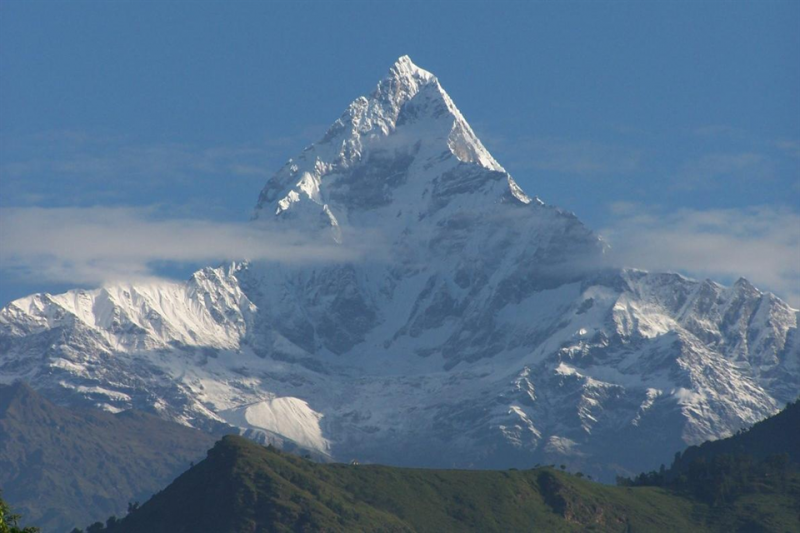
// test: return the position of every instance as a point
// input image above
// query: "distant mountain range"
(61, 468)
(464, 324)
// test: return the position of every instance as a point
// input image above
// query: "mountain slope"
(62, 467)
(475, 326)
(245, 487)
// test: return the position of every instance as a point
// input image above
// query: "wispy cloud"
(715, 169)
(760, 243)
(578, 157)
(720, 131)
(76, 168)
(99, 157)
(102, 244)
(789, 147)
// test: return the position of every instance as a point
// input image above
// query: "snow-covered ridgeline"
(492, 333)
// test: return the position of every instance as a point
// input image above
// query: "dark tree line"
(761, 458)
(100, 527)
(720, 479)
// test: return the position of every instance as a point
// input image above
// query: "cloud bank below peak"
(760, 243)
(96, 245)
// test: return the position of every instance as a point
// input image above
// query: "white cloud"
(101, 244)
(716, 169)
(760, 243)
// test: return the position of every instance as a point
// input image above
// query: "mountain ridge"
(491, 333)
(62, 468)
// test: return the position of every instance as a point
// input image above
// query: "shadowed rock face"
(476, 326)
(370, 184)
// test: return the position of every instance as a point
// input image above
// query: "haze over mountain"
(62, 468)
(478, 327)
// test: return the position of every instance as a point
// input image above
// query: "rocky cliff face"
(476, 326)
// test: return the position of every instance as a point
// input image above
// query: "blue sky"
(672, 128)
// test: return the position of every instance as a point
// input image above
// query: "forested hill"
(746, 472)
(242, 486)
(776, 435)
(770, 446)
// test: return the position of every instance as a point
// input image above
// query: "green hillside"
(244, 487)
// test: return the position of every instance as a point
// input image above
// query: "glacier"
(483, 328)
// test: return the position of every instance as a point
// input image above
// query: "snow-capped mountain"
(481, 328)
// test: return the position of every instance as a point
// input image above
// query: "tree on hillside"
(9, 522)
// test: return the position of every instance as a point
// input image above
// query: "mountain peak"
(405, 60)
(403, 82)
(403, 135)
(404, 67)
(408, 74)
(412, 94)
